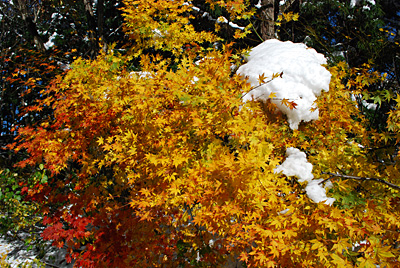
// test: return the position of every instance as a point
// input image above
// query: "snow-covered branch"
(219, 20)
(362, 179)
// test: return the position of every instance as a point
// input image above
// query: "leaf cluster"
(20, 218)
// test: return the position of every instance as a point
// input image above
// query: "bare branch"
(362, 179)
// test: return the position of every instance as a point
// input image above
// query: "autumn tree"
(38, 41)
(363, 34)
(165, 156)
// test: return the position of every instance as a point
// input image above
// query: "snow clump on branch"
(301, 81)
(296, 164)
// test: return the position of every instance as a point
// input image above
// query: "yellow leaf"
(272, 95)
(366, 263)
(340, 262)
(145, 192)
(384, 253)
(100, 141)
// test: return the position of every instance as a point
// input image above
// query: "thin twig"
(51, 265)
(261, 84)
(362, 179)
(328, 179)
(252, 26)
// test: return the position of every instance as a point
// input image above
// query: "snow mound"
(296, 164)
(302, 81)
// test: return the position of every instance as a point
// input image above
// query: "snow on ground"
(13, 257)
(17, 254)
(302, 80)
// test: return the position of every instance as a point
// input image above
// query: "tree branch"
(362, 179)
(263, 83)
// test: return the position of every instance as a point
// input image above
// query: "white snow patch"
(283, 212)
(64, 66)
(56, 16)
(50, 43)
(222, 19)
(358, 97)
(302, 81)
(157, 34)
(17, 255)
(296, 164)
(357, 245)
(14, 261)
(369, 106)
(196, 9)
(353, 3)
(140, 74)
(317, 193)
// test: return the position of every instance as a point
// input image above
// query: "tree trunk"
(268, 15)
(92, 28)
(30, 24)
(100, 24)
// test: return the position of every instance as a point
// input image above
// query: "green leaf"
(44, 179)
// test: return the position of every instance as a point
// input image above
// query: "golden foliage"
(169, 167)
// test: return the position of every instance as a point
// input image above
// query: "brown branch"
(51, 265)
(362, 179)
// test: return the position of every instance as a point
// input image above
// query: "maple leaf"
(291, 104)
(366, 263)
(243, 257)
(272, 95)
(145, 192)
(261, 79)
(100, 141)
